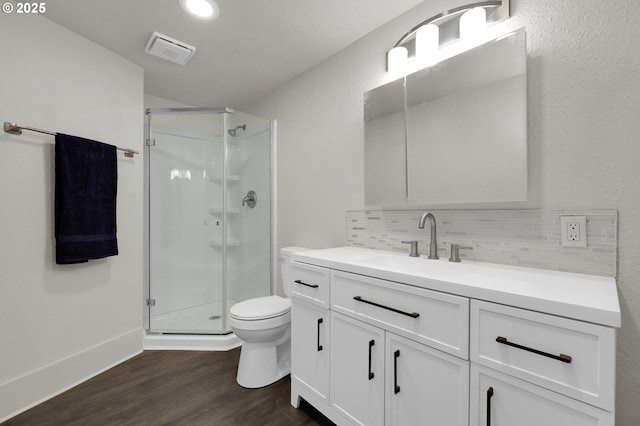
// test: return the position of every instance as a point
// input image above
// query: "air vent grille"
(169, 48)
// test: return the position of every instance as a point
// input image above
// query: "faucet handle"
(414, 248)
(455, 252)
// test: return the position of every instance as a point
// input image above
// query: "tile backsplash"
(512, 237)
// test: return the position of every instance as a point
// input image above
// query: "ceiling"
(252, 48)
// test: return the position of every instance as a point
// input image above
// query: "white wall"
(151, 101)
(584, 136)
(60, 324)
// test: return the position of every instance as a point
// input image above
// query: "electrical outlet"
(574, 231)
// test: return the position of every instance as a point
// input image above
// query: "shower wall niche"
(207, 249)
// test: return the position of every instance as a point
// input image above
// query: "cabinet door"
(310, 337)
(357, 370)
(501, 400)
(425, 386)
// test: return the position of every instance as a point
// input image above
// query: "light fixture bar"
(449, 23)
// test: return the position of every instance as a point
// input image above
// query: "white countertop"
(578, 296)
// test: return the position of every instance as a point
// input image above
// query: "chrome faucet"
(433, 247)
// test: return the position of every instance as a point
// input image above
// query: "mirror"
(385, 153)
(451, 133)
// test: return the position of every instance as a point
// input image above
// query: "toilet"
(263, 325)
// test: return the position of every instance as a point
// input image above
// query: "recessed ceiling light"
(202, 9)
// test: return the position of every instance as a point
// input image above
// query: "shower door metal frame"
(147, 301)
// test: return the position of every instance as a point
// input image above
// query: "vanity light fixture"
(397, 60)
(201, 9)
(472, 22)
(461, 27)
(427, 40)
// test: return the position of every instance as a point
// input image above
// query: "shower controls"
(250, 199)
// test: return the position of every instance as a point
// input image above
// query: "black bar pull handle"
(561, 357)
(308, 285)
(398, 311)
(318, 344)
(489, 396)
(371, 344)
(396, 388)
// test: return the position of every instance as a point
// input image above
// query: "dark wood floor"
(172, 388)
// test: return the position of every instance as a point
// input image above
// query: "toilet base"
(263, 363)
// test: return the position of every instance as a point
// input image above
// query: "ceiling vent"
(169, 48)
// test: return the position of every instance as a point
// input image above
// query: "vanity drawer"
(435, 319)
(571, 357)
(310, 283)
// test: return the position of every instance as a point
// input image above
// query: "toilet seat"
(260, 308)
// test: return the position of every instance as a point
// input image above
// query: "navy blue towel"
(85, 206)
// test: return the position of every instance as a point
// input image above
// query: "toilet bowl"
(263, 325)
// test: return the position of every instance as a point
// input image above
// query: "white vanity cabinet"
(357, 370)
(397, 355)
(433, 343)
(310, 284)
(419, 384)
(570, 357)
(498, 399)
(378, 378)
(558, 370)
(424, 386)
(433, 318)
(310, 335)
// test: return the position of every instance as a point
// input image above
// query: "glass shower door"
(187, 292)
(248, 165)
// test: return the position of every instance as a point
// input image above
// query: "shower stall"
(208, 181)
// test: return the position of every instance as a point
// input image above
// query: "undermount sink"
(412, 265)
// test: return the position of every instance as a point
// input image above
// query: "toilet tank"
(285, 264)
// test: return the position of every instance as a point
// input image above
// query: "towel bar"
(15, 129)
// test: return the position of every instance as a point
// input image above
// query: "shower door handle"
(250, 199)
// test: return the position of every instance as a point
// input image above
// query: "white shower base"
(206, 318)
(190, 342)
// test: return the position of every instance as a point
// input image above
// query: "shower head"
(232, 132)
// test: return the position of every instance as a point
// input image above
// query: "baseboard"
(190, 342)
(20, 394)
